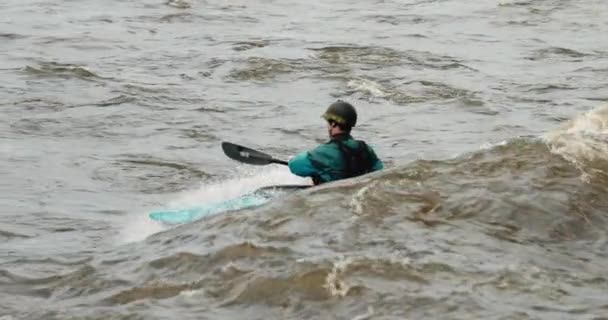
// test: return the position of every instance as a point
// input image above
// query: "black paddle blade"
(247, 155)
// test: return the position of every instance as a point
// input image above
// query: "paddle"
(247, 155)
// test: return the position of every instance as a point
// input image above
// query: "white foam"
(583, 139)
(137, 227)
(370, 87)
(180, 4)
(333, 283)
(246, 179)
(490, 145)
(367, 315)
(357, 200)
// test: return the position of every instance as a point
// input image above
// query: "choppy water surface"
(490, 115)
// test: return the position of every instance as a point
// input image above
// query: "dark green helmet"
(341, 112)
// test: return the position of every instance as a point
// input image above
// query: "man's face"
(332, 128)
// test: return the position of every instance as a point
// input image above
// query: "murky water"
(490, 115)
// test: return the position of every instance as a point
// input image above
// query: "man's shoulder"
(324, 148)
(358, 143)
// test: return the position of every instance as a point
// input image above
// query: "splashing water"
(246, 180)
(333, 283)
(584, 142)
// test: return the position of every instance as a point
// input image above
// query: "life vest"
(357, 161)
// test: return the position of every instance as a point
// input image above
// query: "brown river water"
(491, 118)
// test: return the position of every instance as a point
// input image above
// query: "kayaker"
(342, 156)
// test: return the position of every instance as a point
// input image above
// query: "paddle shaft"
(280, 161)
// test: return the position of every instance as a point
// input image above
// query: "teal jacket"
(327, 163)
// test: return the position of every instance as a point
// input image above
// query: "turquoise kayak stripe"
(178, 216)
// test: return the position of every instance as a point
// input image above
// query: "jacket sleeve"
(300, 165)
(376, 162)
(378, 165)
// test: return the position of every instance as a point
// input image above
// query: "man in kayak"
(342, 156)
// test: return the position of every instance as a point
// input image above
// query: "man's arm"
(300, 165)
(376, 162)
